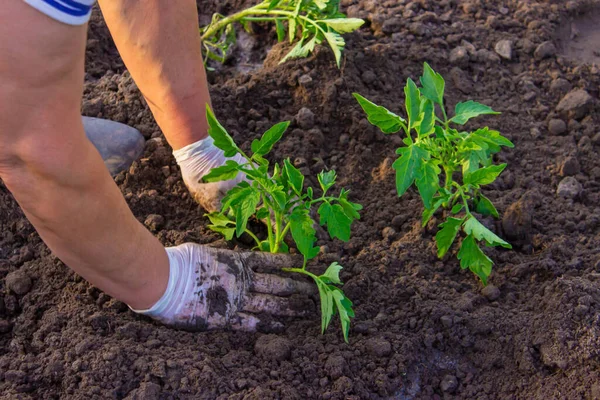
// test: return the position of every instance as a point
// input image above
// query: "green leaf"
(485, 175)
(273, 4)
(300, 50)
(337, 43)
(480, 232)
(225, 231)
(338, 223)
(280, 28)
(262, 213)
(343, 25)
(220, 136)
(321, 3)
(344, 308)
(433, 85)
(428, 182)
(413, 104)
(427, 117)
(303, 232)
(326, 179)
(244, 208)
(470, 164)
(485, 207)
(411, 158)
(332, 274)
(293, 176)
(380, 116)
(292, 23)
(447, 234)
(326, 296)
(223, 173)
(457, 207)
(350, 209)
(218, 219)
(472, 257)
(280, 198)
(428, 212)
(269, 138)
(470, 109)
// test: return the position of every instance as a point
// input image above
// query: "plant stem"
(277, 232)
(302, 271)
(253, 236)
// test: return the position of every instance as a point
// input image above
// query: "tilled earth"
(424, 329)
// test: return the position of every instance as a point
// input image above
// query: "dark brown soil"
(424, 329)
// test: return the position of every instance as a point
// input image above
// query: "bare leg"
(54, 173)
(160, 43)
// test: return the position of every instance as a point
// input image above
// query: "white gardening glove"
(196, 160)
(213, 288)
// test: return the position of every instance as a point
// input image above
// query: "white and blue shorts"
(72, 12)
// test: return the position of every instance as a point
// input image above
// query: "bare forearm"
(160, 44)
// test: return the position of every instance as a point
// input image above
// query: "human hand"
(212, 288)
(196, 160)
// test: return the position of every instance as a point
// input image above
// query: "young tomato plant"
(433, 145)
(277, 195)
(309, 22)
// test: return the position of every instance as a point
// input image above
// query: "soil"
(424, 329)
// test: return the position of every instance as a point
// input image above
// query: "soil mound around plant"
(424, 329)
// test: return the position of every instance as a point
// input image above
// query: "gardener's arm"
(60, 182)
(160, 43)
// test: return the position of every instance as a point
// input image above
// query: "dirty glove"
(196, 160)
(212, 288)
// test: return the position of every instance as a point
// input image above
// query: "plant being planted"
(312, 21)
(277, 194)
(433, 145)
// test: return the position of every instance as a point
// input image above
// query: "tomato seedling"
(309, 22)
(433, 145)
(278, 195)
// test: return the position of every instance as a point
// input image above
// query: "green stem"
(302, 271)
(253, 236)
(448, 172)
(277, 232)
(285, 230)
(269, 229)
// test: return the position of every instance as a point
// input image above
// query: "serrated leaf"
(269, 138)
(485, 175)
(300, 50)
(343, 25)
(427, 117)
(485, 207)
(280, 198)
(337, 43)
(280, 28)
(447, 234)
(223, 173)
(380, 116)
(344, 308)
(470, 164)
(480, 232)
(412, 98)
(350, 209)
(262, 213)
(244, 206)
(433, 85)
(472, 257)
(338, 223)
(221, 138)
(326, 179)
(332, 274)
(293, 176)
(303, 233)
(428, 181)
(411, 158)
(470, 109)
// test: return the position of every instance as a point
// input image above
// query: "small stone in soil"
(305, 118)
(569, 188)
(491, 292)
(570, 167)
(446, 320)
(576, 104)
(557, 126)
(272, 347)
(378, 346)
(504, 48)
(545, 50)
(19, 282)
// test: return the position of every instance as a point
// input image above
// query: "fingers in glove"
(245, 322)
(279, 306)
(277, 285)
(268, 261)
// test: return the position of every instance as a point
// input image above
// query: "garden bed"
(424, 328)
